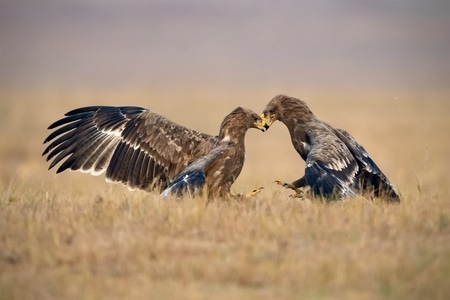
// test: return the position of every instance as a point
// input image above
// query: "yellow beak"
(261, 124)
(267, 121)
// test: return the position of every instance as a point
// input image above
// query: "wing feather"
(330, 167)
(78, 149)
(370, 174)
(133, 145)
(193, 176)
(327, 182)
(67, 129)
(96, 162)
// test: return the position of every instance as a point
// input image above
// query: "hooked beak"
(261, 123)
(267, 121)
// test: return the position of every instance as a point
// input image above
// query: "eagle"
(336, 165)
(147, 151)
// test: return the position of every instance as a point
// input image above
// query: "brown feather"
(335, 163)
(145, 150)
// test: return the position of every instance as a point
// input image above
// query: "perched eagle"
(336, 165)
(145, 150)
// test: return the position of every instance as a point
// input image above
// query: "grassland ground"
(73, 236)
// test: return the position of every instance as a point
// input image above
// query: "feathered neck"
(234, 127)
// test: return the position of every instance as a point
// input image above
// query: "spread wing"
(133, 145)
(330, 167)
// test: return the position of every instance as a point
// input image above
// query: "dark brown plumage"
(145, 150)
(336, 165)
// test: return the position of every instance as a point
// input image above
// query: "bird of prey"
(145, 150)
(336, 166)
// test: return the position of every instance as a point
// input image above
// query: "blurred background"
(382, 44)
(379, 69)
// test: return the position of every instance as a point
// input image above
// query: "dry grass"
(72, 236)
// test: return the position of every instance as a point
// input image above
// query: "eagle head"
(236, 123)
(283, 108)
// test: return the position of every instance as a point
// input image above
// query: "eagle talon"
(284, 184)
(287, 185)
(300, 194)
(254, 192)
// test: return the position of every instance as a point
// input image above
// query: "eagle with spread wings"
(147, 151)
(336, 164)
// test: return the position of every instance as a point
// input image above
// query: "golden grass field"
(73, 236)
